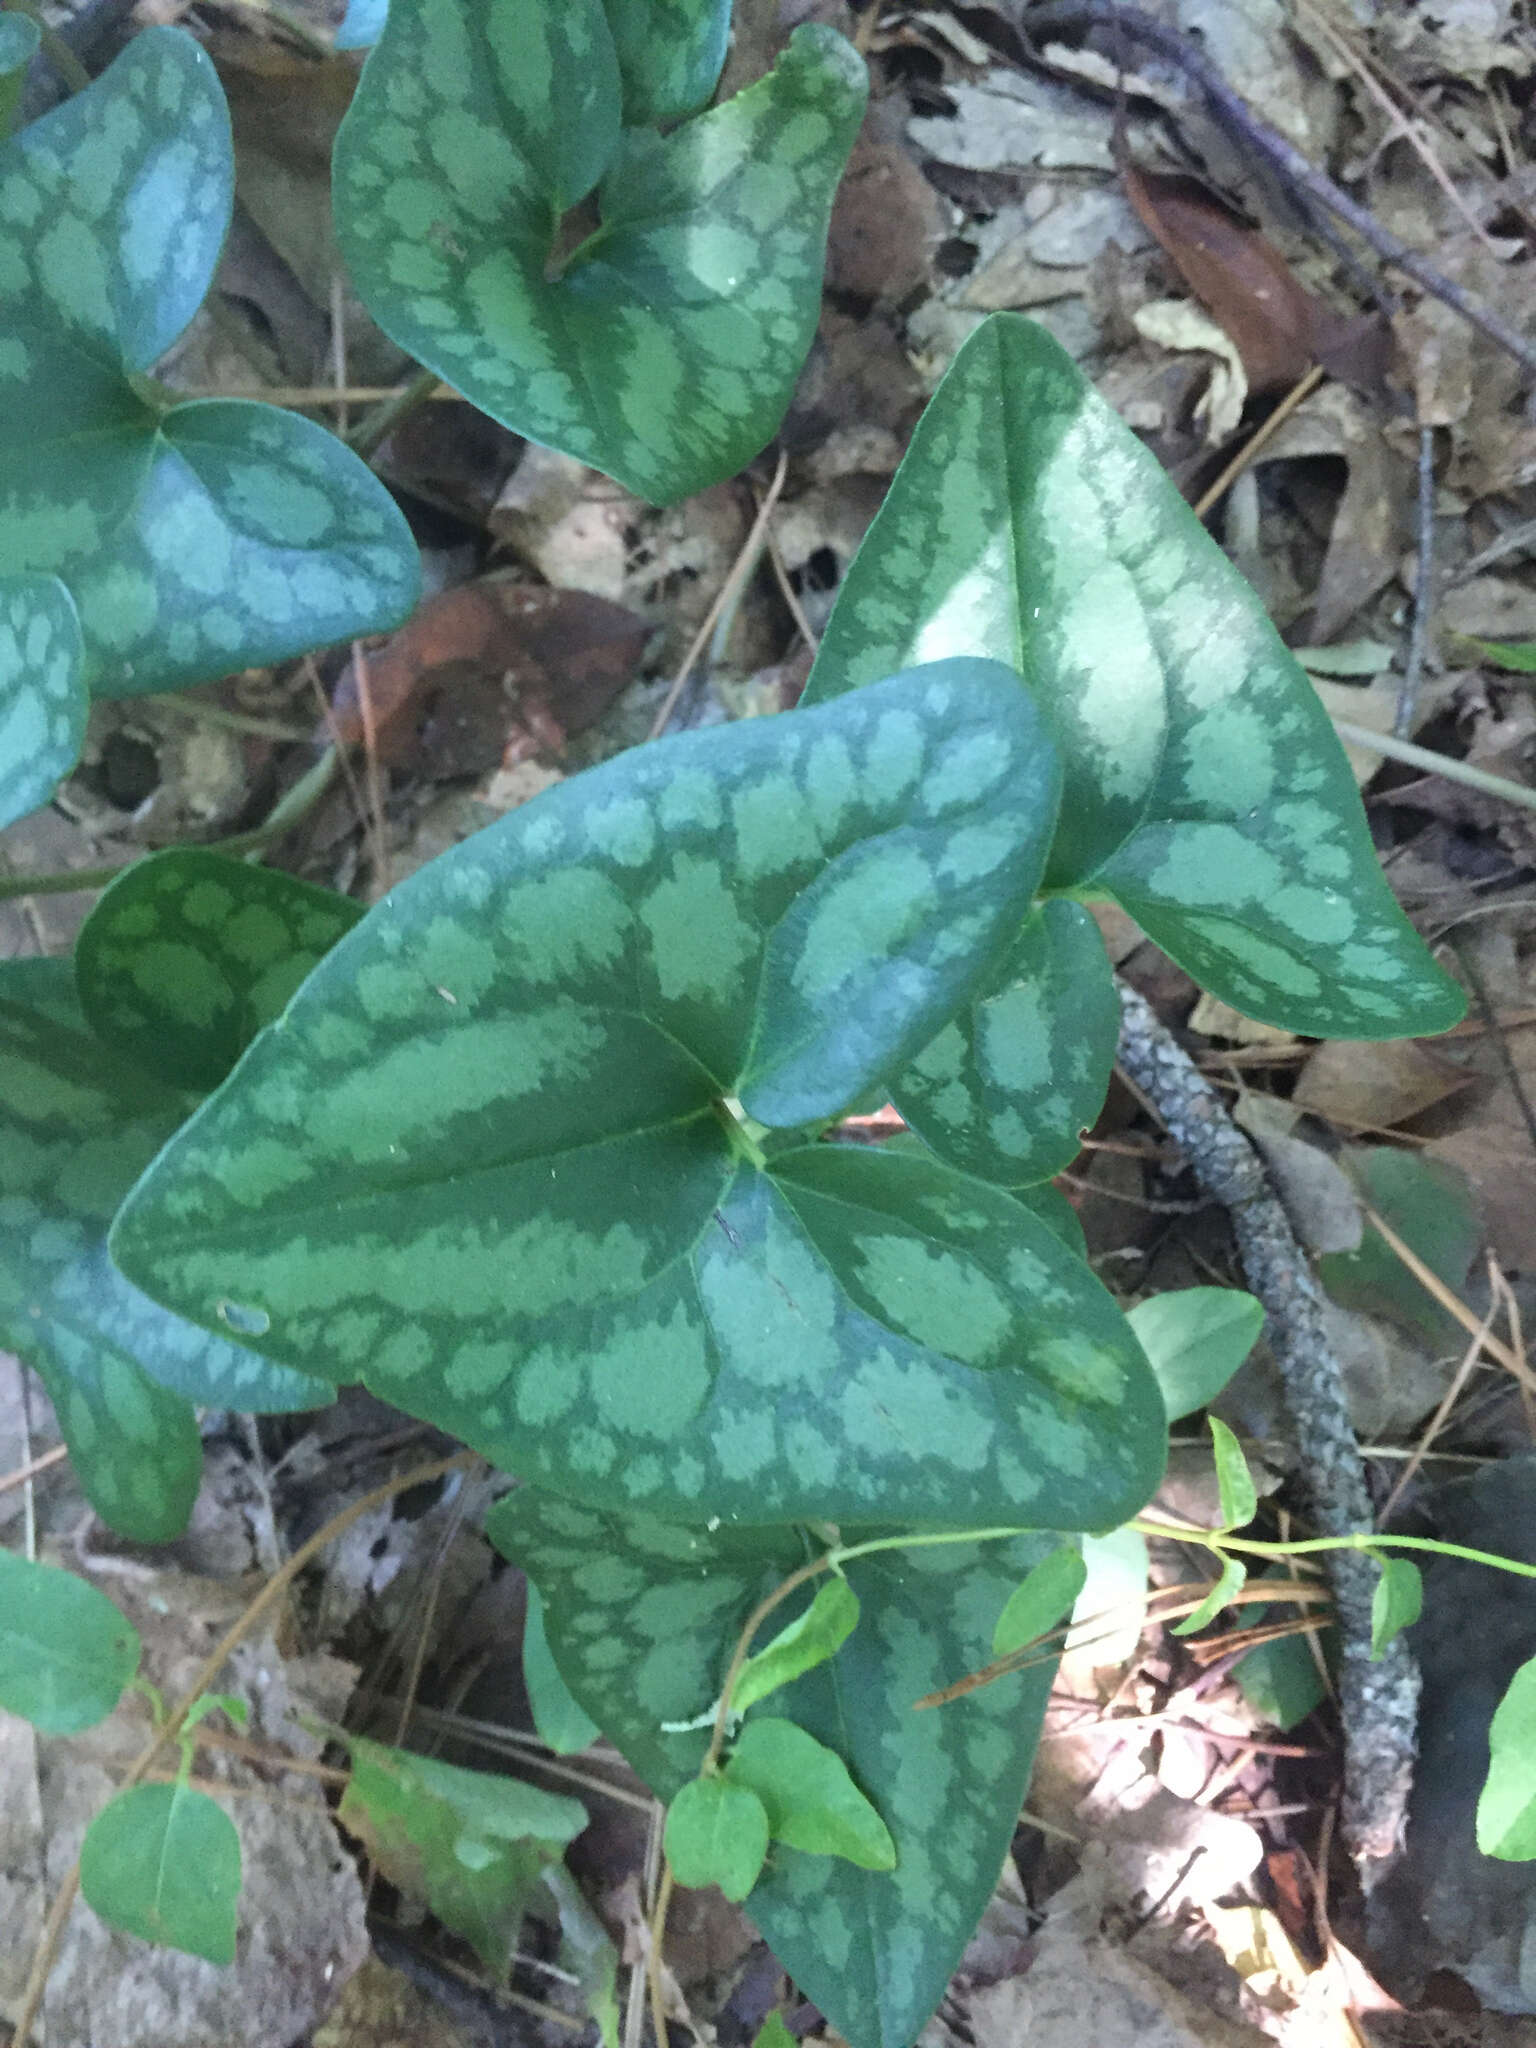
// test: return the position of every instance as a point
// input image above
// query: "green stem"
(287, 812)
(1361, 1539)
(375, 427)
(1414, 756)
(72, 73)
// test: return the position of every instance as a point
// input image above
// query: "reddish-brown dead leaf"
(490, 671)
(1278, 327)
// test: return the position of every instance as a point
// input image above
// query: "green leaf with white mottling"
(195, 538)
(808, 1796)
(664, 349)
(77, 1124)
(717, 1833)
(1007, 1089)
(643, 1616)
(65, 1651)
(189, 953)
(487, 1161)
(472, 1845)
(163, 1862)
(43, 703)
(562, 1722)
(671, 54)
(1195, 1338)
(1205, 789)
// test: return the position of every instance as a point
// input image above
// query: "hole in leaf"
(245, 1322)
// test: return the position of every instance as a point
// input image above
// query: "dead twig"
(1423, 587)
(1379, 1701)
(1306, 182)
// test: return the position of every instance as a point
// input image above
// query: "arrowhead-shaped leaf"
(188, 954)
(43, 703)
(196, 538)
(643, 1616)
(671, 54)
(665, 347)
(163, 1862)
(488, 1161)
(1204, 788)
(65, 1651)
(77, 1124)
(472, 1845)
(1010, 1084)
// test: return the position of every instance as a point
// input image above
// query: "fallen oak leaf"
(1278, 327)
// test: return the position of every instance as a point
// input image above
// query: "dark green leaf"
(1007, 1089)
(188, 954)
(717, 1833)
(472, 1845)
(43, 703)
(643, 1616)
(196, 538)
(77, 1124)
(1195, 1338)
(1234, 1482)
(1205, 790)
(1396, 1603)
(665, 348)
(1506, 1811)
(1034, 1607)
(810, 1800)
(1428, 1204)
(487, 1163)
(807, 1641)
(671, 53)
(1280, 1679)
(1234, 1576)
(563, 1723)
(163, 1862)
(65, 1651)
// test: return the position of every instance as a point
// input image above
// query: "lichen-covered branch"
(1378, 1701)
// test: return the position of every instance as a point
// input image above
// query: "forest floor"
(1367, 456)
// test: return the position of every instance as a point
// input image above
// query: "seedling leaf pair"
(778, 1785)
(194, 538)
(664, 346)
